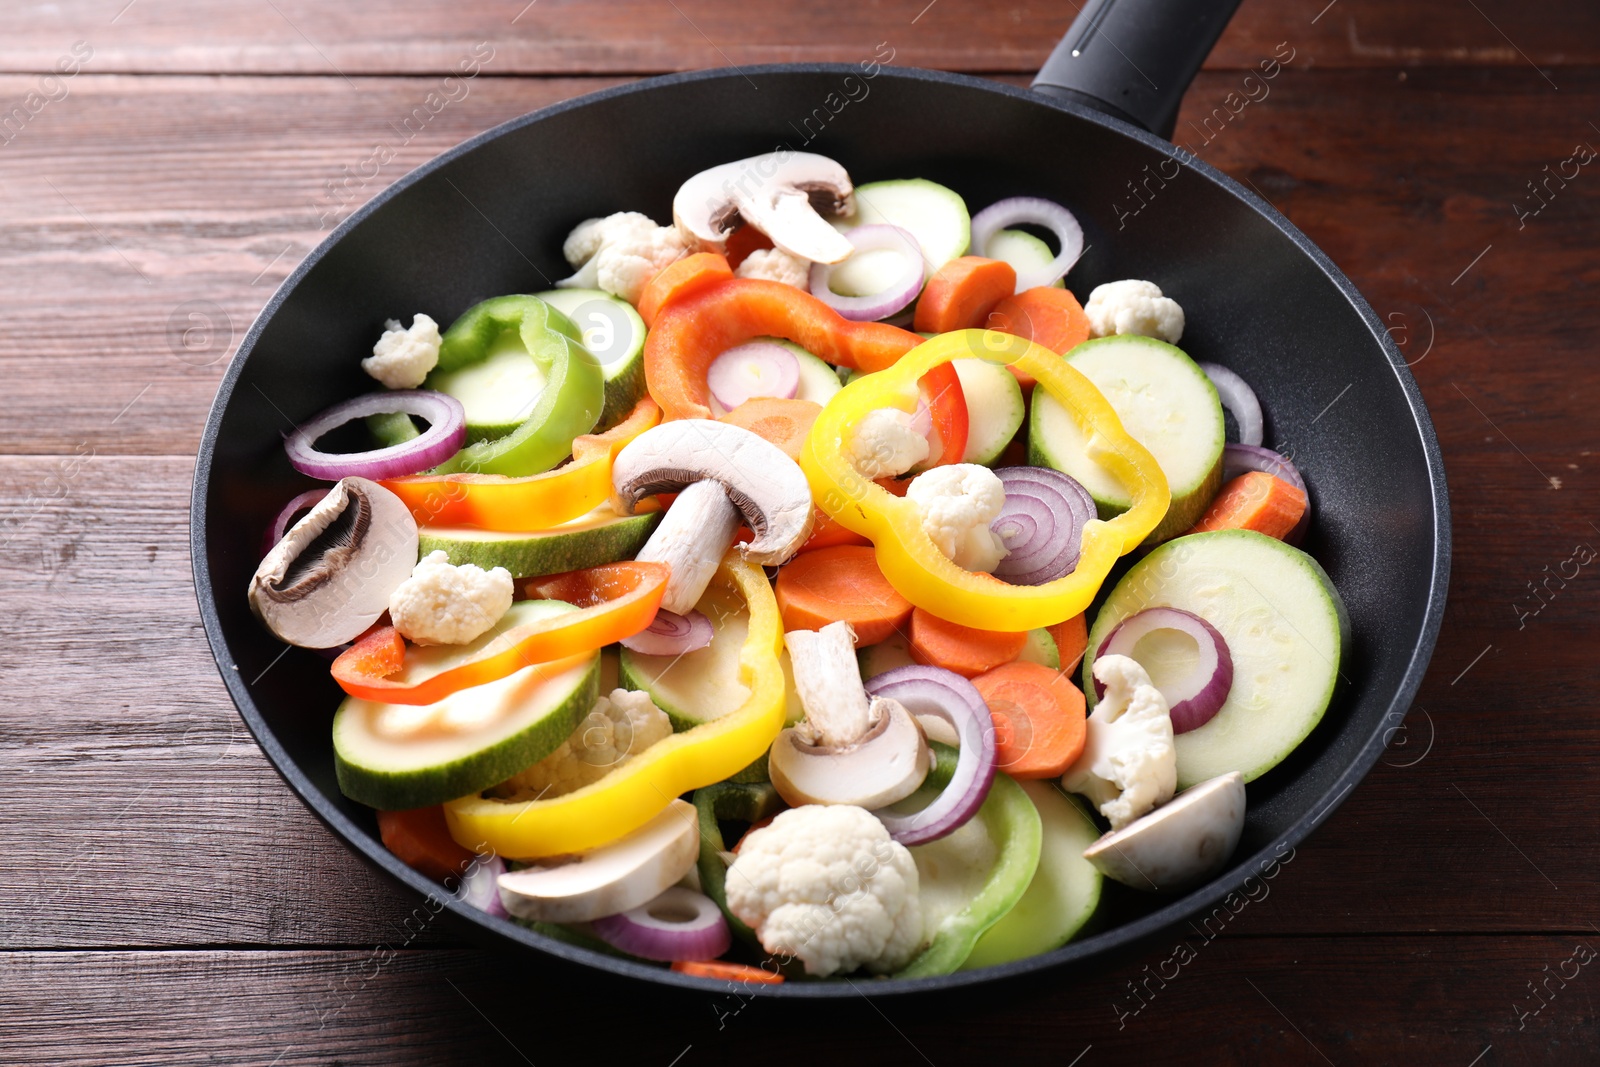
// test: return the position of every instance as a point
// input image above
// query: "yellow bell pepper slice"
(642, 787)
(909, 559)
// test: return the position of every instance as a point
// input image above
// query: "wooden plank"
(641, 36)
(1293, 1001)
(147, 816)
(104, 194)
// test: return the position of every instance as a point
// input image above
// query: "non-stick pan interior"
(489, 219)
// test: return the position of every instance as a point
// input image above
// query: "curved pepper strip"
(494, 502)
(641, 788)
(910, 560)
(691, 332)
(614, 601)
(568, 405)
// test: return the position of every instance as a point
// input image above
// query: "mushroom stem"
(827, 678)
(692, 538)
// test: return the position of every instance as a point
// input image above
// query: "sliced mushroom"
(1184, 841)
(725, 474)
(610, 879)
(783, 194)
(331, 575)
(851, 749)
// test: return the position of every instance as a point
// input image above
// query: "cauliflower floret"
(441, 604)
(826, 884)
(1134, 306)
(884, 443)
(958, 503)
(618, 727)
(1129, 765)
(620, 253)
(775, 265)
(402, 358)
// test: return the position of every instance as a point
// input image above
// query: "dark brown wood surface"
(166, 900)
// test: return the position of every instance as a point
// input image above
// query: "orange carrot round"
(420, 839)
(1254, 501)
(783, 422)
(1072, 639)
(967, 651)
(1045, 315)
(842, 583)
(680, 280)
(961, 294)
(732, 972)
(1038, 718)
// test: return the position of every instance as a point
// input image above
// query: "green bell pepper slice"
(568, 406)
(744, 802)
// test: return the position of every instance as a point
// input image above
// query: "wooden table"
(167, 900)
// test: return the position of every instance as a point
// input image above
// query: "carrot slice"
(1254, 501)
(783, 422)
(967, 651)
(679, 280)
(1045, 315)
(1072, 639)
(826, 533)
(961, 294)
(420, 839)
(742, 242)
(1038, 714)
(733, 972)
(840, 583)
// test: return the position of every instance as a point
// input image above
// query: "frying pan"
(489, 216)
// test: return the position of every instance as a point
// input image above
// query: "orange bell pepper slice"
(494, 502)
(614, 601)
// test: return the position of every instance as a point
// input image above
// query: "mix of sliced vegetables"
(708, 538)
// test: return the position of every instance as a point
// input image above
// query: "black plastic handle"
(1134, 59)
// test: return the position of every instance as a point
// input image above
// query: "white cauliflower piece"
(402, 358)
(1129, 765)
(827, 885)
(620, 253)
(958, 503)
(1134, 306)
(776, 265)
(617, 728)
(884, 444)
(441, 604)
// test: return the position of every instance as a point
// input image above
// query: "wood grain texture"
(1290, 1001)
(645, 36)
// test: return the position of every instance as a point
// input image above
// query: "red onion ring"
(480, 885)
(892, 298)
(446, 433)
(1240, 399)
(671, 634)
(946, 695)
(280, 525)
(1041, 524)
(1193, 699)
(757, 368)
(680, 924)
(1038, 212)
(1242, 459)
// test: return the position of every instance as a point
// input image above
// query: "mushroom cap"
(1187, 839)
(885, 765)
(783, 194)
(330, 576)
(767, 487)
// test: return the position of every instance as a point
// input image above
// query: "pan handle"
(1134, 59)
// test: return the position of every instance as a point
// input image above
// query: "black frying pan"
(489, 216)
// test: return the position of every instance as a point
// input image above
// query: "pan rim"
(1107, 943)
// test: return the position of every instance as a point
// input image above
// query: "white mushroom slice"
(783, 194)
(849, 749)
(1182, 842)
(330, 576)
(692, 538)
(609, 879)
(765, 487)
